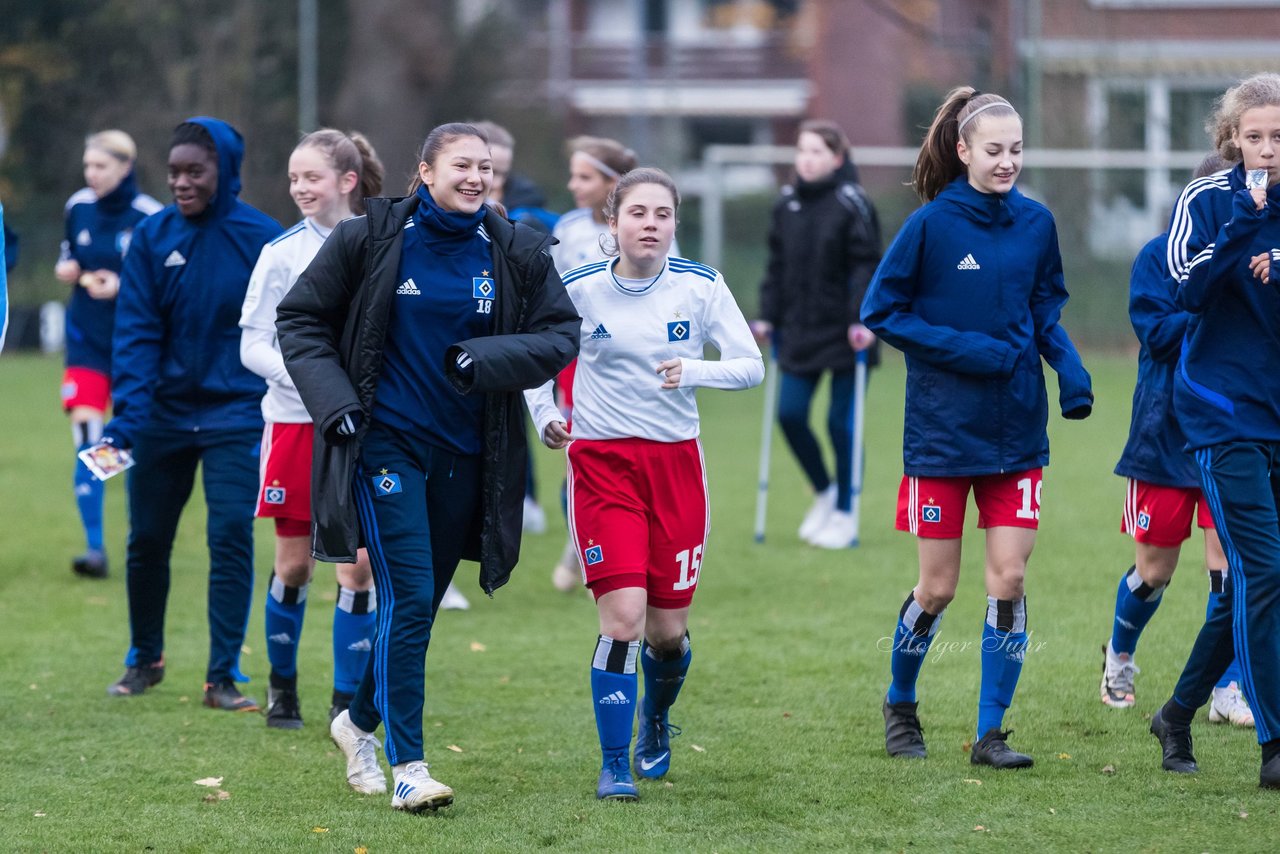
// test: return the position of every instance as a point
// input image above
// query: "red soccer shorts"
(85, 387)
(639, 515)
(1161, 515)
(934, 507)
(284, 469)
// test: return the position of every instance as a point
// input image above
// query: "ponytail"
(938, 163)
(349, 152)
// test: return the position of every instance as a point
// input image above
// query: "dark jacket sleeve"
(310, 321)
(1157, 321)
(1213, 269)
(771, 287)
(864, 248)
(1075, 387)
(545, 342)
(137, 344)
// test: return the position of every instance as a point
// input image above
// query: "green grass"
(782, 746)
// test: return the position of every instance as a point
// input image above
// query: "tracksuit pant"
(794, 401)
(417, 503)
(1241, 483)
(159, 485)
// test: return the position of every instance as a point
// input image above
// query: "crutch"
(855, 458)
(766, 443)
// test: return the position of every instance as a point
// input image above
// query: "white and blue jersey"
(627, 329)
(446, 295)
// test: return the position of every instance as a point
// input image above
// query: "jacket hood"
(984, 208)
(230, 147)
(122, 196)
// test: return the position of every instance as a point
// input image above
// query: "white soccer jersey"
(617, 391)
(582, 241)
(279, 266)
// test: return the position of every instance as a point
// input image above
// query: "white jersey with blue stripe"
(279, 266)
(628, 330)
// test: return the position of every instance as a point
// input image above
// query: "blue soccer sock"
(1004, 642)
(911, 640)
(1216, 586)
(355, 622)
(89, 490)
(285, 608)
(1136, 604)
(614, 690)
(663, 677)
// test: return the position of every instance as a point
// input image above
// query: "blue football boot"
(615, 782)
(653, 746)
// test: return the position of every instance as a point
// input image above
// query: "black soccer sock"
(1176, 713)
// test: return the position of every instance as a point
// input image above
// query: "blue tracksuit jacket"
(98, 235)
(1226, 387)
(971, 291)
(1155, 452)
(176, 349)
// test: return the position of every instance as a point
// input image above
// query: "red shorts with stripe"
(1161, 515)
(639, 516)
(284, 490)
(85, 387)
(934, 507)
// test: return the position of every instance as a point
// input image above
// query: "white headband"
(600, 165)
(969, 117)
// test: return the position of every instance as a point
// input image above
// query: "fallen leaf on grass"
(97, 600)
(184, 699)
(211, 782)
(668, 784)
(476, 646)
(1244, 815)
(784, 714)
(246, 650)
(319, 830)
(973, 781)
(1052, 811)
(455, 748)
(504, 680)
(699, 749)
(361, 850)
(34, 687)
(214, 797)
(1064, 755)
(967, 746)
(980, 829)
(39, 815)
(1108, 769)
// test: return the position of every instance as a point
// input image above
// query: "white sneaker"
(535, 520)
(361, 749)
(823, 505)
(453, 600)
(1229, 706)
(1118, 671)
(416, 791)
(566, 577)
(838, 532)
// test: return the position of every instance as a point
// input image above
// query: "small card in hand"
(1255, 179)
(106, 460)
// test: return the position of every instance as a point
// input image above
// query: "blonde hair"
(1260, 90)
(349, 152)
(117, 143)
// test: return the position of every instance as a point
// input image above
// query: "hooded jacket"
(333, 326)
(98, 234)
(1226, 388)
(1155, 452)
(971, 291)
(176, 348)
(824, 243)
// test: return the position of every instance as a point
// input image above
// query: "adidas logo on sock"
(969, 263)
(617, 698)
(600, 333)
(409, 289)
(175, 259)
(280, 637)
(361, 645)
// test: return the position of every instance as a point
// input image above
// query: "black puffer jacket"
(333, 324)
(824, 244)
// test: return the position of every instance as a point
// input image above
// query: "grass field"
(783, 741)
